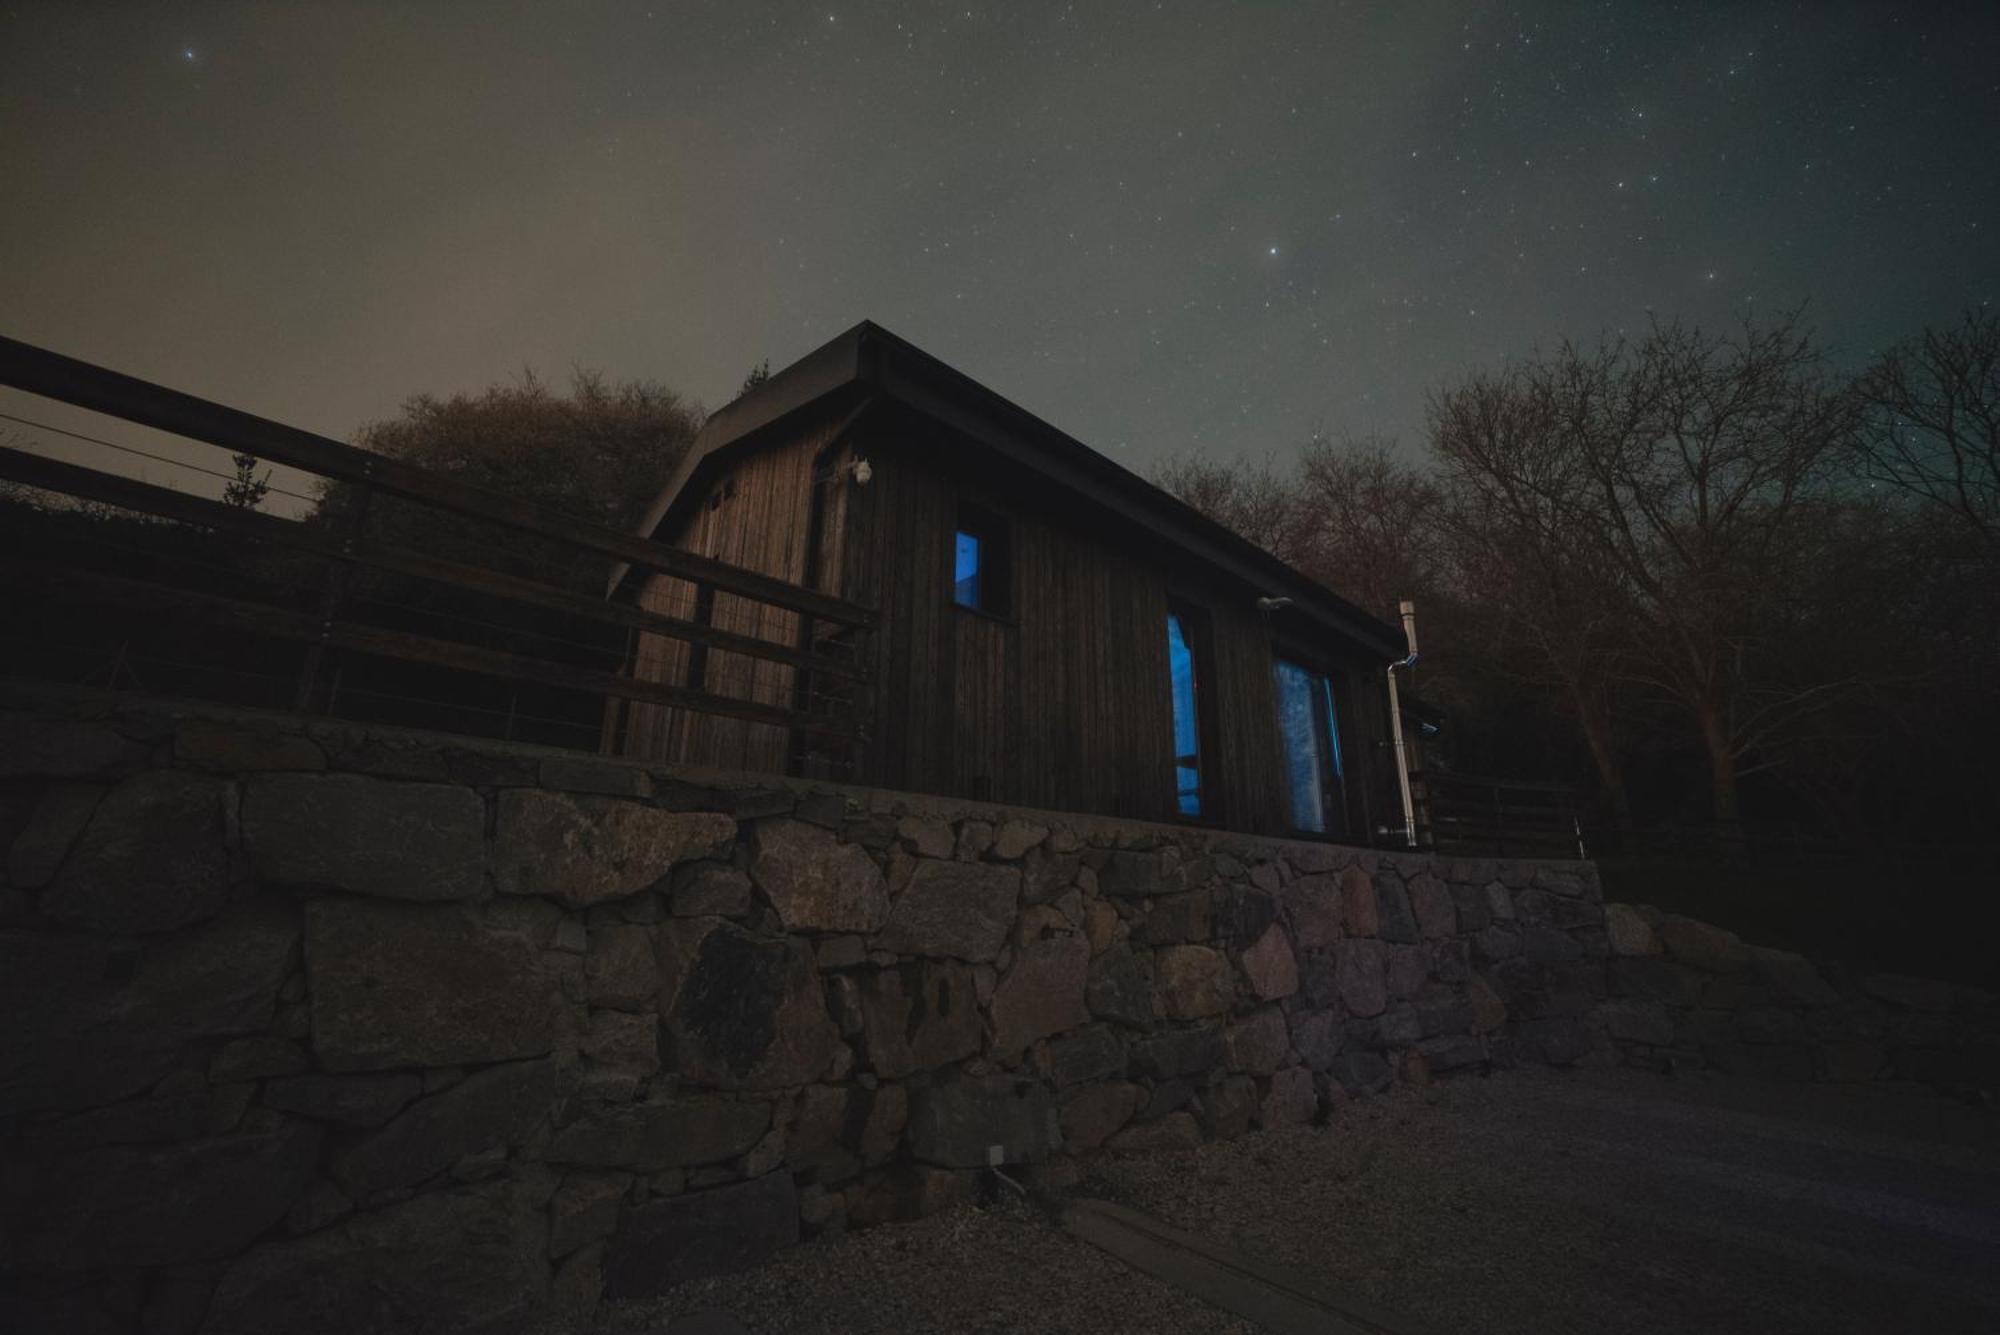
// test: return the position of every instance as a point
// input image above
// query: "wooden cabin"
(1051, 630)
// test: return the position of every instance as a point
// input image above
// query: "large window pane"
(1187, 731)
(1311, 750)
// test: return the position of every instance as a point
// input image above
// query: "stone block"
(585, 1210)
(1629, 932)
(620, 970)
(1136, 874)
(907, 1191)
(60, 748)
(122, 1208)
(1431, 902)
(91, 1021)
(662, 1132)
(1120, 986)
(1092, 1054)
(1452, 1052)
(204, 744)
(1363, 916)
(1638, 1021)
(1769, 1024)
(1176, 1052)
(1549, 945)
(1289, 1099)
(351, 1100)
(51, 830)
(963, 910)
(1270, 967)
(927, 838)
(1190, 982)
(743, 1011)
(255, 1058)
(589, 850)
(475, 1259)
(1014, 838)
(1360, 976)
(953, 1124)
(421, 841)
(1392, 905)
(1175, 1131)
(919, 1016)
(1361, 1072)
(1474, 912)
(1316, 911)
(1316, 1036)
(421, 985)
(709, 890)
(815, 882)
(1700, 946)
(1094, 1114)
(1405, 970)
(152, 857)
(1489, 1012)
(1500, 901)
(587, 774)
(1175, 919)
(1792, 978)
(1259, 1043)
(1042, 994)
(494, 1108)
(624, 1041)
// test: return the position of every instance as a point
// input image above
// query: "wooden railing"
(325, 617)
(1462, 813)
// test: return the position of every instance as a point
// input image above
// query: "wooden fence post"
(339, 573)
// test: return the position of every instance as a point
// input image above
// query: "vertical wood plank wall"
(1062, 703)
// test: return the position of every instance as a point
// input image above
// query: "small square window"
(979, 562)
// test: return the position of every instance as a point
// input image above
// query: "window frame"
(1198, 630)
(994, 532)
(1332, 722)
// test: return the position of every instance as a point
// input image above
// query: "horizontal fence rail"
(1507, 817)
(584, 641)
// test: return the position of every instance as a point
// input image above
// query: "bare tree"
(1250, 497)
(1675, 472)
(1931, 423)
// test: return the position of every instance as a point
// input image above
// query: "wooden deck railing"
(1465, 813)
(330, 620)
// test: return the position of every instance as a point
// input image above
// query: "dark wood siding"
(1061, 702)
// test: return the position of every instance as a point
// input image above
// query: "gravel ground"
(1609, 1203)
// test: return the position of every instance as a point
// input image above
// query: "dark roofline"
(868, 361)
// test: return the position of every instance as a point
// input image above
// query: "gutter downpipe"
(1409, 611)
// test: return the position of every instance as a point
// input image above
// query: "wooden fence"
(327, 620)
(1462, 813)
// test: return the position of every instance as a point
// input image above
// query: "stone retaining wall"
(1683, 994)
(312, 1027)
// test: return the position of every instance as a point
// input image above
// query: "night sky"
(1173, 227)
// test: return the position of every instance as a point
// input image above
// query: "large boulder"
(1793, 977)
(1092, 1054)
(443, 1263)
(815, 882)
(704, 1233)
(153, 857)
(1629, 932)
(959, 909)
(1362, 912)
(1042, 994)
(499, 1106)
(743, 1011)
(421, 985)
(64, 748)
(587, 850)
(1392, 903)
(121, 1208)
(919, 1016)
(1094, 1114)
(58, 817)
(1317, 910)
(1259, 1043)
(423, 841)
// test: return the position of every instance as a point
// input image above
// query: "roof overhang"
(867, 365)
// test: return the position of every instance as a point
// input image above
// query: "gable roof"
(868, 364)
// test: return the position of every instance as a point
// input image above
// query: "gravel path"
(1611, 1203)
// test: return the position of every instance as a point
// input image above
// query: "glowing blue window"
(965, 587)
(1187, 730)
(1313, 778)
